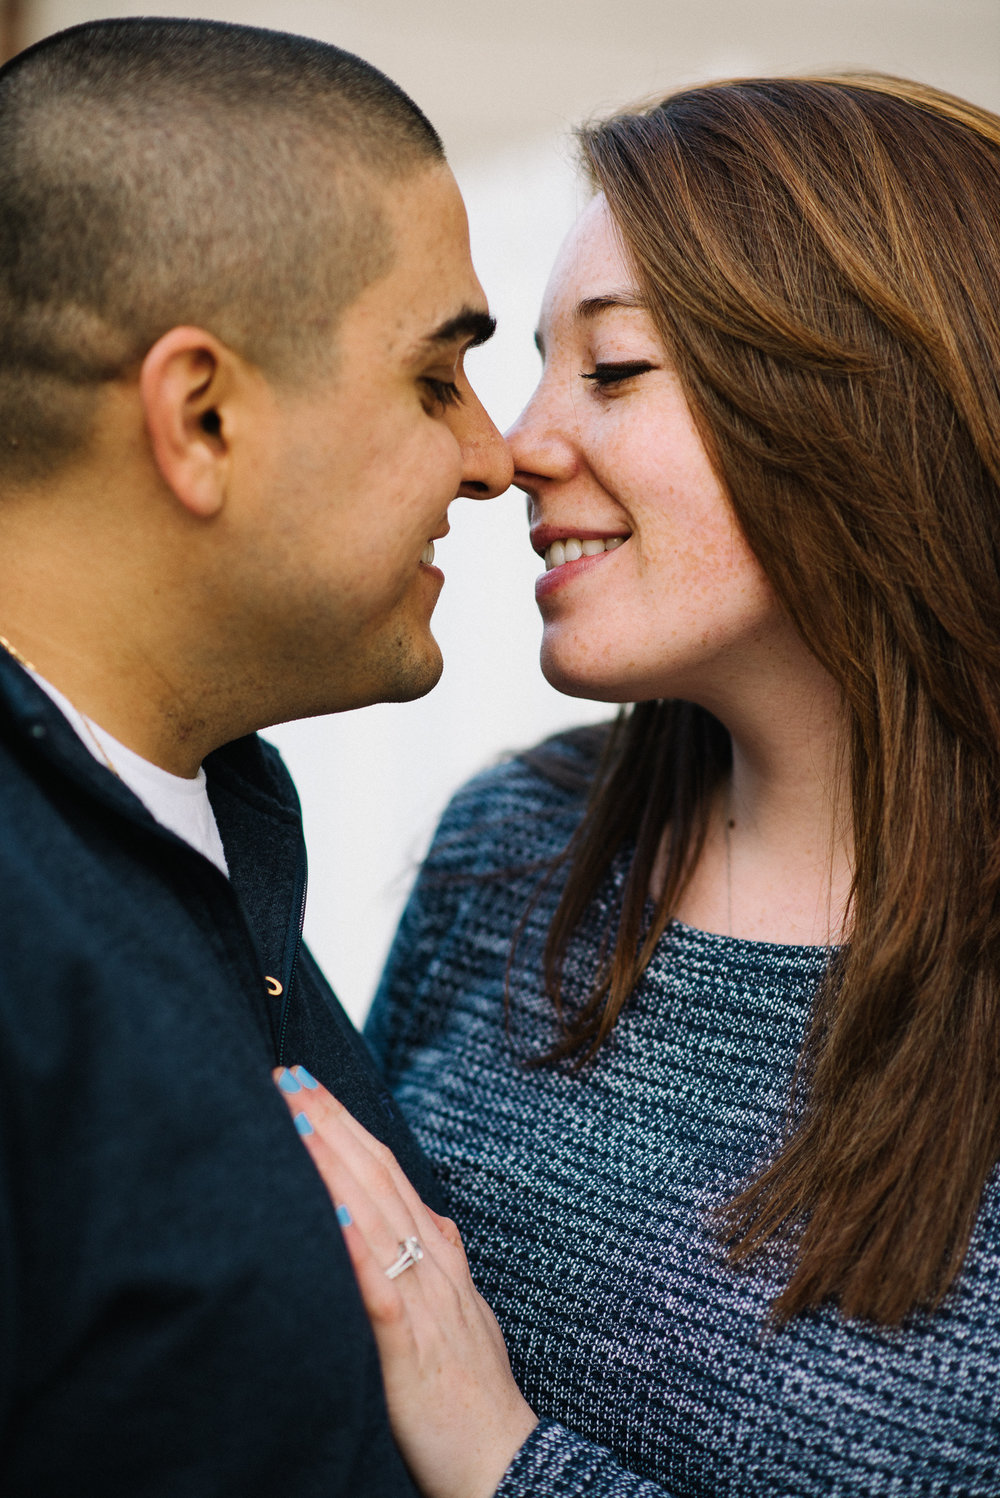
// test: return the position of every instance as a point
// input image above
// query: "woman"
(715, 1096)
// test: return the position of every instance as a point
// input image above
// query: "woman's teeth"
(572, 550)
(427, 555)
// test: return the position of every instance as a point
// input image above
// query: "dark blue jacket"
(178, 1316)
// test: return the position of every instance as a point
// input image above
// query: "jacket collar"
(29, 717)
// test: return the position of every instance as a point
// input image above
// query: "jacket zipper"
(286, 1000)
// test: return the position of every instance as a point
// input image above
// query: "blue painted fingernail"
(303, 1125)
(343, 1216)
(289, 1083)
(305, 1077)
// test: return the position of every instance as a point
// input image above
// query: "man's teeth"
(571, 550)
(427, 555)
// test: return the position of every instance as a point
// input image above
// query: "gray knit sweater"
(582, 1199)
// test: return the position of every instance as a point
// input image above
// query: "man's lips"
(427, 555)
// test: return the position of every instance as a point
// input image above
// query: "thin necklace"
(89, 726)
(15, 654)
(730, 824)
(91, 730)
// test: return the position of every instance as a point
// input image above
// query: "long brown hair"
(822, 259)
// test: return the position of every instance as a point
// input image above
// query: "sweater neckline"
(749, 946)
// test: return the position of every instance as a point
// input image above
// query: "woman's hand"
(456, 1412)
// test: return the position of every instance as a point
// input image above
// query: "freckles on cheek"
(692, 581)
(616, 456)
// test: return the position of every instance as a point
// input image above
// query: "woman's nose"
(538, 444)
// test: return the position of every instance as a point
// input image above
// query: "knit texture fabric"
(583, 1200)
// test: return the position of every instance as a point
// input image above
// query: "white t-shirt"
(175, 802)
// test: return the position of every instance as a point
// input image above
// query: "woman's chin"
(581, 683)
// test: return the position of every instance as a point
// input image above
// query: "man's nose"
(487, 464)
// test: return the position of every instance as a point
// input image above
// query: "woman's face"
(666, 599)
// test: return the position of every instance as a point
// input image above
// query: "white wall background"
(504, 82)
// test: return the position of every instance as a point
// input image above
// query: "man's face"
(350, 477)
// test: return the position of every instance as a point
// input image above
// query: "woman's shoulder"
(523, 807)
(552, 774)
(501, 829)
(567, 762)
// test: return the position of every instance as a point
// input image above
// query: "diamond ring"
(410, 1252)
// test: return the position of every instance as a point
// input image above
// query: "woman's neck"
(777, 860)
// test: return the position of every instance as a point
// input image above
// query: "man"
(235, 297)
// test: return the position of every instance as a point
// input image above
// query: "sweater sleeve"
(556, 1463)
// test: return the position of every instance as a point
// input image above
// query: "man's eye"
(443, 392)
(605, 375)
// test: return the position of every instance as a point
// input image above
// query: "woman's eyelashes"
(605, 375)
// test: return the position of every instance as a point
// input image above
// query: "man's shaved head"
(155, 173)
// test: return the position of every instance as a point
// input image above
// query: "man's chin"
(417, 681)
(401, 673)
(404, 671)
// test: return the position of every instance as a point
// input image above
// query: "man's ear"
(186, 380)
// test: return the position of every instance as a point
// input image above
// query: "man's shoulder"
(41, 800)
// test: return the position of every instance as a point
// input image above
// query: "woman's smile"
(568, 553)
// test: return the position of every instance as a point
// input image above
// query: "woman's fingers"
(378, 1209)
(322, 1124)
(363, 1176)
(456, 1411)
(448, 1230)
(384, 1298)
(369, 1158)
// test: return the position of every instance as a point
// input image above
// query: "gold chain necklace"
(15, 654)
(88, 725)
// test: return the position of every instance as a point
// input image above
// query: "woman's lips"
(561, 572)
(573, 548)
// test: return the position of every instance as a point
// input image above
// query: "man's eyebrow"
(471, 326)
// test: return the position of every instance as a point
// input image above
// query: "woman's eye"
(442, 392)
(607, 375)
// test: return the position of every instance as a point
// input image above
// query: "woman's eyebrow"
(591, 306)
